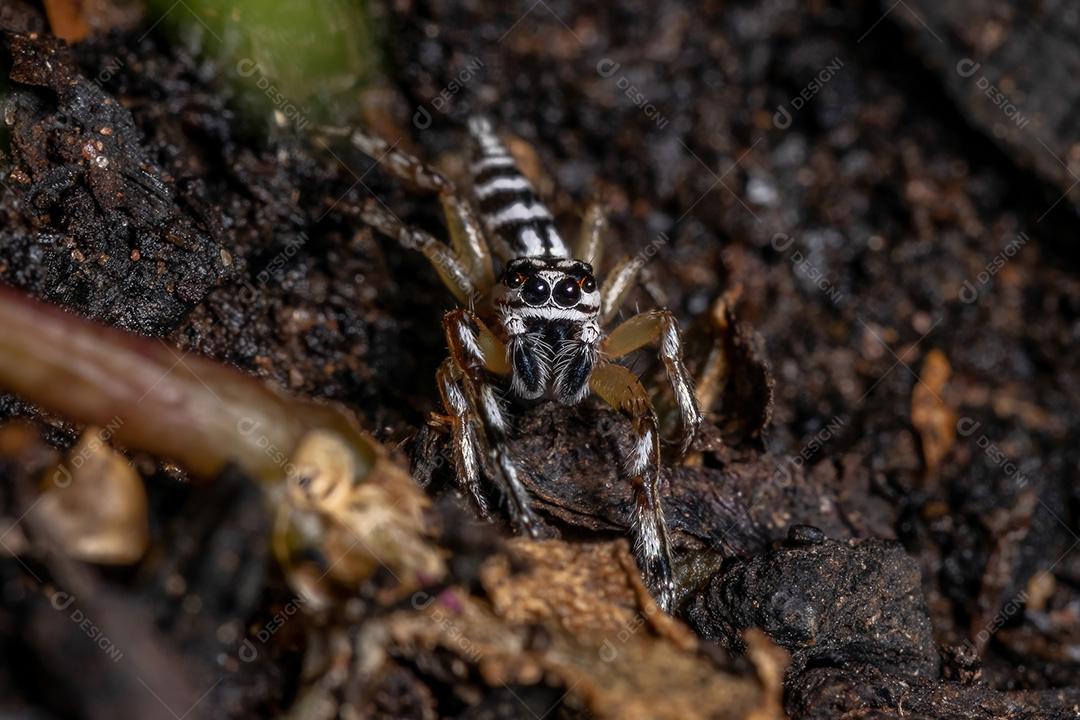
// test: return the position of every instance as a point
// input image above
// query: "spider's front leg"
(466, 234)
(622, 390)
(451, 268)
(476, 351)
(661, 325)
(463, 438)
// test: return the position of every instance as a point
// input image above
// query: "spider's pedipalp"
(574, 363)
(622, 390)
(530, 357)
(661, 326)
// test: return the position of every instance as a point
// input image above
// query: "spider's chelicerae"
(536, 331)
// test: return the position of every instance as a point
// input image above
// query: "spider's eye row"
(567, 293)
(535, 291)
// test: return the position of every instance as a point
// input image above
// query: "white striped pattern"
(558, 247)
(669, 340)
(533, 244)
(491, 144)
(468, 341)
(590, 332)
(648, 534)
(456, 398)
(501, 184)
(491, 408)
(640, 456)
(554, 313)
(495, 161)
(513, 323)
(468, 456)
(519, 212)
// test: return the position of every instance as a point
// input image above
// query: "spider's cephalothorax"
(549, 308)
(536, 331)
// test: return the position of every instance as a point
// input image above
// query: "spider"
(536, 331)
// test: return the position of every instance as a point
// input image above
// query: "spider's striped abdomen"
(506, 198)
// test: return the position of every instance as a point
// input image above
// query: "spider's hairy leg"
(466, 444)
(617, 286)
(661, 325)
(475, 351)
(466, 237)
(410, 169)
(468, 240)
(594, 226)
(446, 262)
(622, 390)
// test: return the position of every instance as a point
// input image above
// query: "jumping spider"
(538, 326)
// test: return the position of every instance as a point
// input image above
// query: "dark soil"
(913, 564)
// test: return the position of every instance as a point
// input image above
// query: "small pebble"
(805, 535)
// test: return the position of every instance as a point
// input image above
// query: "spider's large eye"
(567, 293)
(535, 291)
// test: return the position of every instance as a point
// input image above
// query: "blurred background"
(884, 196)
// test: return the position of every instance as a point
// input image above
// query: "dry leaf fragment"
(94, 504)
(74, 20)
(605, 650)
(934, 420)
(359, 520)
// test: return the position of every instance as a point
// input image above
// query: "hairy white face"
(548, 287)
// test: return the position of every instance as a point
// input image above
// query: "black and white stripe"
(681, 384)
(580, 314)
(462, 333)
(573, 366)
(652, 545)
(507, 201)
(465, 442)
